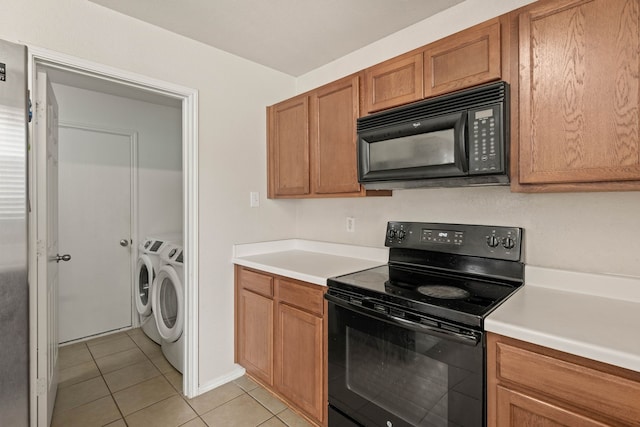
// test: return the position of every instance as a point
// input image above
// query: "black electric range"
(454, 272)
(406, 340)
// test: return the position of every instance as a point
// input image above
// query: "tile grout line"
(165, 376)
(93, 359)
(106, 384)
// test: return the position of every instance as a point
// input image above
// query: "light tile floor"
(124, 380)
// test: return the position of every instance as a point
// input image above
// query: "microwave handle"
(461, 130)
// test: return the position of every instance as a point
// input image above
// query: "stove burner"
(444, 292)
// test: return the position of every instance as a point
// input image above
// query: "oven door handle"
(470, 340)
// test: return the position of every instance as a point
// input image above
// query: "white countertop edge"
(322, 281)
(578, 348)
(380, 255)
(625, 288)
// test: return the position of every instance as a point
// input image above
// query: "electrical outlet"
(351, 224)
(254, 199)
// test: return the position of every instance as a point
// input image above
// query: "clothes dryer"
(168, 305)
(147, 268)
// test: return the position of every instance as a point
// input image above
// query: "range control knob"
(492, 241)
(391, 233)
(508, 243)
(401, 234)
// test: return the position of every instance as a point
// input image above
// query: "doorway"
(119, 80)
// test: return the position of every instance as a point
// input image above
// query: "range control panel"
(476, 240)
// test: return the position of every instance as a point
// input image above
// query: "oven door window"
(383, 374)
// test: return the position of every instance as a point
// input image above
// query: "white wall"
(159, 130)
(593, 232)
(233, 94)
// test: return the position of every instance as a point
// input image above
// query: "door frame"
(133, 216)
(189, 98)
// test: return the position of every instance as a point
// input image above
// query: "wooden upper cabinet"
(394, 82)
(334, 110)
(579, 74)
(464, 59)
(288, 147)
(311, 143)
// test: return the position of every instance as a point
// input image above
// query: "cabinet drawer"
(305, 297)
(577, 385)
(259, 283)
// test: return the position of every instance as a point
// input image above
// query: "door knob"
(65, 257)
(124, 243)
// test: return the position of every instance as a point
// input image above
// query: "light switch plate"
(254, 199)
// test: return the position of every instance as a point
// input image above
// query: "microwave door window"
(418, 150)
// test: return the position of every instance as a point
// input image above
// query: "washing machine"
(147, 268)
(168, 305)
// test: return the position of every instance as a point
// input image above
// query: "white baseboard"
(217, 382)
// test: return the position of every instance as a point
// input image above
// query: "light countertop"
(306, 260)
(595, 316)
(590, 315)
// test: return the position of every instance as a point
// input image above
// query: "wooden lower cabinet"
(518, 409)
(299, 370)
(530, 385)
(281, 339)
(255, 333)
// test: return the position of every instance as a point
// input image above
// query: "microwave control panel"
(485, 140)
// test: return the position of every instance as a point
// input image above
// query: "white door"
(46, 129)
(95, 228)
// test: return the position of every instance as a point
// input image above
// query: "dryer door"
(168, 303)
(144, 282)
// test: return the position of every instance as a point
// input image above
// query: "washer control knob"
(492, 241)
(401, 234)
(391, 233)
(508, 243)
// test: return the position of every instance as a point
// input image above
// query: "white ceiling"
(292, 36)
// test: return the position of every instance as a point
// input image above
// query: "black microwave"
(453, 140)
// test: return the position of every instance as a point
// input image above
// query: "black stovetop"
(460, 282)
(458, 299)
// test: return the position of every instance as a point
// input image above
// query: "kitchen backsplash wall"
(591, 232)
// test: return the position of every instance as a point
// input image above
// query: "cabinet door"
(288, 147)
(334, 110)
(463, 60)
(578, 95)
(300, 365)
(394, 82)
(517, 409)
(254, 334)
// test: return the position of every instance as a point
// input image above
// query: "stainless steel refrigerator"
(14, 287)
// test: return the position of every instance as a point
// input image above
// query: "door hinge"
(41, 386)
(40, 248)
